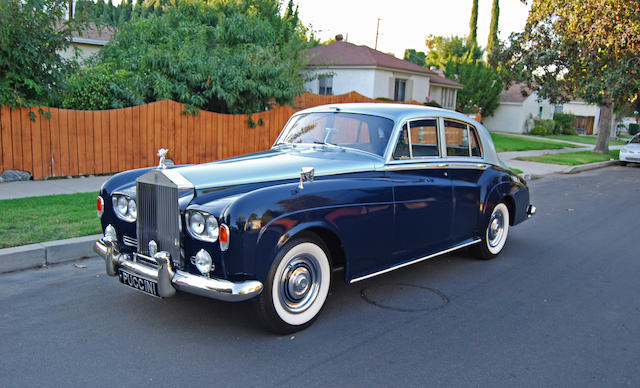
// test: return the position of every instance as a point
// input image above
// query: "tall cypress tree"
(473, 24)
(493, 30)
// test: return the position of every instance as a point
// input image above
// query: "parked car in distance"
(359, 188)
(631, 151)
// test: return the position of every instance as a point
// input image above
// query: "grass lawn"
(54, 217)
(584, 139)
(573, 158)
(516, 171)
(516, 143)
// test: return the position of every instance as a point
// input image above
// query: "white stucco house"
(348, 67)
(518, 104)
(89, 41)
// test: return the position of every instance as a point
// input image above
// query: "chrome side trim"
(474, 165)
(412, 166)
(462, 245)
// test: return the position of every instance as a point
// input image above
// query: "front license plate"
(141, 284)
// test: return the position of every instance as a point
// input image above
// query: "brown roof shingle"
(348, 54)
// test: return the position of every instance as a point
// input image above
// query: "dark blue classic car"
(363, 188)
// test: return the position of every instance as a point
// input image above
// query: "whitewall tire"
(495, 235)
(297, 285)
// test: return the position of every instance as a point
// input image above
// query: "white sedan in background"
(631, 151)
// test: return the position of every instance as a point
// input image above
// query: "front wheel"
(495, 235)
(296, 287)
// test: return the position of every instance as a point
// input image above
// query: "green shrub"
(569, 131)
(384, 99)
(538, 130)
(100, 87)
(564, 122)
(634, 128)
(548, 125)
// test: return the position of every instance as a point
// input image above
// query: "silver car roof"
(402, 112)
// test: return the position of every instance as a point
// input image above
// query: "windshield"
(635, 139)
(350, 130)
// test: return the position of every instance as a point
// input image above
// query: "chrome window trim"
(468, 128)
(393, 141)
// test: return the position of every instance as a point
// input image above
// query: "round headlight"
(212, 228)
(203, 262)
(133, 211)
(196, 222)
(122, 205)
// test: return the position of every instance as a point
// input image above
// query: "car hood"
(276, 165)
(632, 147)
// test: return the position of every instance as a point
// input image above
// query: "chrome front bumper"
(170, 280)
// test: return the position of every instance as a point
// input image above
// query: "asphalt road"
(559, 307)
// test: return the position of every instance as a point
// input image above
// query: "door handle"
(443, 165)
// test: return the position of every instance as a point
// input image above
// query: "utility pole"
(377, 30)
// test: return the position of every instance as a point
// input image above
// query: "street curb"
(51, 252)
(590, 166)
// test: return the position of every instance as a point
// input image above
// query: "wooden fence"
(74, 142)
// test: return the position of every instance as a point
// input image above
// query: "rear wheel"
(495, 235)
(296, 287)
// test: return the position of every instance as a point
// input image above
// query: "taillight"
(100, 206)
(224, 237)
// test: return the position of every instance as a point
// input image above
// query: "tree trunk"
(604, 128)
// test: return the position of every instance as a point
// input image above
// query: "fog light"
(203, 262)
(110, 234)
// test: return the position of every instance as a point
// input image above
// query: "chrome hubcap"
(496, 229)
(299, 284)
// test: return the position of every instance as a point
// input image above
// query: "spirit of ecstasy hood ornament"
(161, 153)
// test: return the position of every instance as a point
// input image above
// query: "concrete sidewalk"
(10, 190)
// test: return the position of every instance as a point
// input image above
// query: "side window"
(424, 138)
(475, 144)
(402, 148)
(420, 141)
(462, 140)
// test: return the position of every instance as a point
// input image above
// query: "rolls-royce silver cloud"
(363, 189)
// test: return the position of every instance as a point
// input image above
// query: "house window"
(399, 89)
(540, 112)
(326, 85)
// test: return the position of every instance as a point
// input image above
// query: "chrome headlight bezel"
(204, 222)
(124, 207)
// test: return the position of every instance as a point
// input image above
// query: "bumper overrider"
(170, 280)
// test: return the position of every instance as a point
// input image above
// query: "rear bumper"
(531, 210)
(170, 280)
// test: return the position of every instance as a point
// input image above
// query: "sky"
(406, 23)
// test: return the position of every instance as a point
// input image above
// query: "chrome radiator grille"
(158, 214)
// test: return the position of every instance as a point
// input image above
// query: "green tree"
(417, 57)
(587, 49)
(473, 23)
(33, 33)
(482, 85)
(442, 49)
(493, 28)
(227, 56)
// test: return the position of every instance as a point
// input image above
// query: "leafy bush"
(384, 99)
(634, 128)
(564, 122)
(33, 34)
(224, 56)
(482, 85)
(538, 130)
(548, 125)
(100, 87)
(569, 131)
